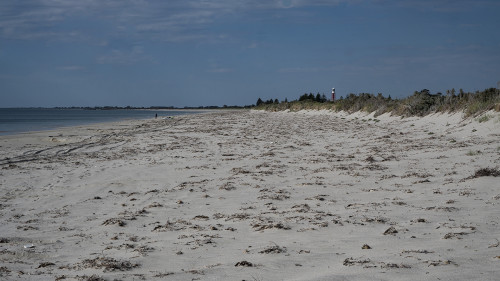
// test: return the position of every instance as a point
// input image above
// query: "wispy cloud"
(124, 57)
(220, 70)
(71, 68)
(175, 19)
(445, 6)
(215, 67)
(302, 69)
(253, 45)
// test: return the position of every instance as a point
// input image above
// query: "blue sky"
(202, 52)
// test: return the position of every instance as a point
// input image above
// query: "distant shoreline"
(234, 107)
(14, 121)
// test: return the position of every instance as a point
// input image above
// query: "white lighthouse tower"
(333, 94)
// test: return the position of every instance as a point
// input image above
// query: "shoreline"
(56, 124)
(253, 195)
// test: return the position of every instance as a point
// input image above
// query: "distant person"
(156, 115)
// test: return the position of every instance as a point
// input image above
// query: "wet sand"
(251, 195)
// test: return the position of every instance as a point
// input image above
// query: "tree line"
(321, 98)
(419, 104)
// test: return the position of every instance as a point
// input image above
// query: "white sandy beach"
(251, 195)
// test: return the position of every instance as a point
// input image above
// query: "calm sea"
(19, 120)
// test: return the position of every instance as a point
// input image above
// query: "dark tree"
(303, 97)
(259, 102)
(323, 98)
(318, 97)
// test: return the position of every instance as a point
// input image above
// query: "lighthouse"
(333, 94)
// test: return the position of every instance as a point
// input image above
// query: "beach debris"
(4, 240)
(27, 227)
(352, 261)
(454, 235)
(370, 159)
(238, 171)
(201, 217)
(117, 221)
(494, 245)
(143, 250)
(176, 225)
(302, 208)
(277, 195)
(484, 172)
(260, 227)
(244, 263)
(366, 247)
(86, 278)
(391, 231)
(417, 251)
(487, 172)
(375, 219)
(273, 250)
(29, 246)
(394, 265)
(155, 205)
(45, 264)
(400, 203)
(440, 262)
(320, 197)
(233, 217)
(108, 264)
(195, 271)
(163, 274)
(227, 186)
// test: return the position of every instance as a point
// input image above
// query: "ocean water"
(19, 120)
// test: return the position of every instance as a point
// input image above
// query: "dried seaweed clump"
(487, 172)
(244, 263)
(273, 250)
(116, 221)
(87, 278)
(108, 264)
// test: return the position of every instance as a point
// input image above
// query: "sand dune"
(251, 195)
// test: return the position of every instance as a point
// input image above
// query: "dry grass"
(419, 104)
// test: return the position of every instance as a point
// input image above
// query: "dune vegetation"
(421, 103)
